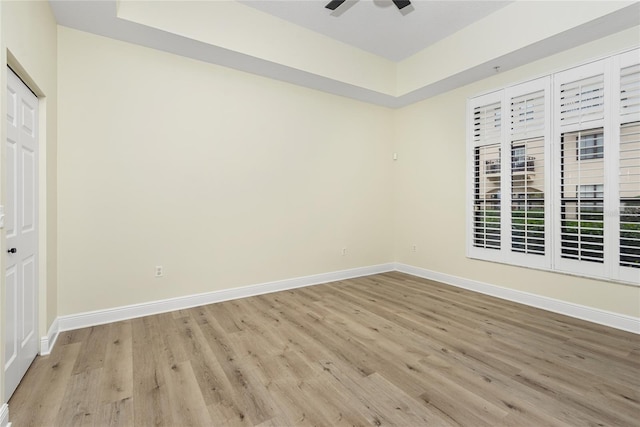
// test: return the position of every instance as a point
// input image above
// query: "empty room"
(314, 212)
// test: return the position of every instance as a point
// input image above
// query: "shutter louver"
(486, 124)
(630, 93)
(527, 116)
(582, 101)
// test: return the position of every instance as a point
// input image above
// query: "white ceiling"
(377, 26)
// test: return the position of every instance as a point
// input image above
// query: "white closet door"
(20, 166)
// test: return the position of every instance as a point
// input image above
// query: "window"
(580, 213)
(510, 142)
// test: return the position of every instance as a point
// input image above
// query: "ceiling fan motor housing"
(334, 4)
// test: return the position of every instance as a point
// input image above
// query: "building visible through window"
(591, 146)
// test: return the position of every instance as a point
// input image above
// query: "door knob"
(12, 250)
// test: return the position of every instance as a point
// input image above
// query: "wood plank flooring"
(388, 349)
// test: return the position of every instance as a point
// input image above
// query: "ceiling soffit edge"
(100, 18)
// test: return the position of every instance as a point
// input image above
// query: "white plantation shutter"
(528, 142)
(629, 188)
(580, 130)
(486, 116)
(528, 197)
(486, 221)
(628, 166)
(581, 200)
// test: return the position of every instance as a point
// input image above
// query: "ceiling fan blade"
(333, 4)
(400, 3)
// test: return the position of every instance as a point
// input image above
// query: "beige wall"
(431, 145)
(29, 46)
(222, 177)
(228, 179)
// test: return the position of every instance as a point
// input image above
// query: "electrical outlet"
(344, 251)
(159, 271)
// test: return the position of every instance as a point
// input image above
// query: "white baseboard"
(47, 343)
(602, 317)
(4, 416)
(99, 317)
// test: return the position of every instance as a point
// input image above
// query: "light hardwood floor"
(388, 349)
